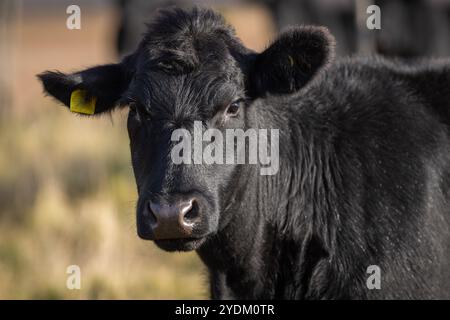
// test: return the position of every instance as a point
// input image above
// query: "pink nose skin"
(170, 221)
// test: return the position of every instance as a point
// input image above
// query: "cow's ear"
(291, 61)
(91, 91)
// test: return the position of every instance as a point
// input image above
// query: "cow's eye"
(233, 108)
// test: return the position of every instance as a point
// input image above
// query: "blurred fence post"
(8, 14)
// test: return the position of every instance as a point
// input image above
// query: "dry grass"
(68, 198)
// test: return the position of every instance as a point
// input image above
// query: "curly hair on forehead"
(177, 39)
(176, 22)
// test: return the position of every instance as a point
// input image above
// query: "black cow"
(364, 174)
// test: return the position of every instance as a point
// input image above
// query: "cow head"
(189, 67)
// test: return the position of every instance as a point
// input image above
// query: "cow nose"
(173, 221)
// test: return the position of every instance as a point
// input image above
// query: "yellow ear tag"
(79, 103)
(291, 60)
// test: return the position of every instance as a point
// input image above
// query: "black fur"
(364, 149)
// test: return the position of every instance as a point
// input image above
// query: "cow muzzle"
(173, 220)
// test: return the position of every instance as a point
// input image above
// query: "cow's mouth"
(184, 244)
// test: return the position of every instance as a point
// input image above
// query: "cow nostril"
(192, 214)
(151, 215)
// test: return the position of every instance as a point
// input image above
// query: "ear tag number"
(80, 104)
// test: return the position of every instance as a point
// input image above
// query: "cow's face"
(180, 203)
(188, 75)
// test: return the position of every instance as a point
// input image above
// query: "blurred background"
(67, 191)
